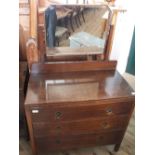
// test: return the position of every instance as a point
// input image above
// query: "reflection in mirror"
(75, 30)
(74, 26)
(60, 90)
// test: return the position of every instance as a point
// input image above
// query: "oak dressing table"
(72, 105)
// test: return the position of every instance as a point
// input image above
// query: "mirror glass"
(75, 26)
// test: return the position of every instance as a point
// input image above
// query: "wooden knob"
(109, 111)
(105, 125)
(58, 115)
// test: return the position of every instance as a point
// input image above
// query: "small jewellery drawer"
(69, 113)
(56, 142)
(81, 126)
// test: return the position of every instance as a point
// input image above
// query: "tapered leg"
(117, 146)
(71, 22)
(66, 22)
(76, 21)
(79, 19)
(83, 16)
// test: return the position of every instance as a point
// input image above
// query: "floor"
(127, 146)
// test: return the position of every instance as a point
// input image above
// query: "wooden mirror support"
(32, 50)
(36, 46)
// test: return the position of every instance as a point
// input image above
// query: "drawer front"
(58, 114)
(70, 142)
(87, 126)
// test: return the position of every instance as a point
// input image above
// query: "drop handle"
(106, 125)
(109, 111)
(58, 115)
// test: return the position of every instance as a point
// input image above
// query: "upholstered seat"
(60, 32)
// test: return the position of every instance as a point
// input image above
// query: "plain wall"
(123, 35)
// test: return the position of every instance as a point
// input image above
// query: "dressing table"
(74, 104)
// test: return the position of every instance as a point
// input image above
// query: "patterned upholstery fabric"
(60, 31)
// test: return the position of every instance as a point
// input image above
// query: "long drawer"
(68, 113)
(85, 126)
(69, 142)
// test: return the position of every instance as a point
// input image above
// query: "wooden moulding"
(109, 42)
(31, 52)
(61, 67)
(33, 18)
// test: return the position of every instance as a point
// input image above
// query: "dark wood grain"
(84, 110)
(41, 42)
(72, 66)
(71, 105)
(87, 87)
(22, 43)
(30, 128)
(81, 126)
(72, 142)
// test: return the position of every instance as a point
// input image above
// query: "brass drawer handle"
(109, 111)
(58, 115)
(105, 125)
(58, 141)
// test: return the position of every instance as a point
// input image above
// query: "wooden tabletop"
(76, 86)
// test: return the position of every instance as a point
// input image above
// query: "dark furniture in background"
(23, 81)
(72, 105)
(23, 70)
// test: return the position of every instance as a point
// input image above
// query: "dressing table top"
(77, 86)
